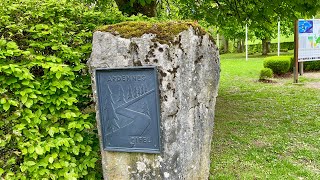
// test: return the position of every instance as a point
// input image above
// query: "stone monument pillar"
(188, 69)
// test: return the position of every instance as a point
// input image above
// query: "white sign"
(309, 40)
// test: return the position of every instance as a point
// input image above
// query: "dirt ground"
(315, 77)
(308, 79)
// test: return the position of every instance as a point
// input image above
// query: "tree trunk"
(264, 46)
(240, 46)
(149, 10)
(268, 46)
(225, 45)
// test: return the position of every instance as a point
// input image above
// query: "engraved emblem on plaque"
(129, 109)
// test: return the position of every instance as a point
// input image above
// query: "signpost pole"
(301, 68)
(279, 37)
(296, 47)
(246, 42)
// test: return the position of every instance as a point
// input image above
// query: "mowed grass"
(264, 131)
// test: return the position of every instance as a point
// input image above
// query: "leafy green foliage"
(285, 46)
(231, 16)
(311, 66)
(129, 7)
(266, 73)
(279, 64)
(45, 129)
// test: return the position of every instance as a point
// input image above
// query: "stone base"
(188, 71)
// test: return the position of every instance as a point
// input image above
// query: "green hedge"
(279, 64)
(45, 129)
(266, 73)
(308, 65)
(311, 66)
(285, 46)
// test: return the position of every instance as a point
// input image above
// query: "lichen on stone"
(164, 31)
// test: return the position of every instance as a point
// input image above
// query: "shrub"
(45, 129)
(273, 47)
(266, 73)
(311, 66)
(279, 64)
(254, 48)
(307, 66)
(284, 50)
(292, 63)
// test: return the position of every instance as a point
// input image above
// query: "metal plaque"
(129, 109)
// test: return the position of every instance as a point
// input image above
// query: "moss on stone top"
(164, 31)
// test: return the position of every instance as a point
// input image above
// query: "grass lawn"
(264, 131)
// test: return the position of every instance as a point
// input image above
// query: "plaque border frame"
(158, 112)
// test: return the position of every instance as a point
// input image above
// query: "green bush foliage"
(292, 63)
(45, 129)
(285, 46)
(311, 66)
(279, 64)
(307, 66)
(266, 73)
(254, 48)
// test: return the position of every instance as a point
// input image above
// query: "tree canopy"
(230, 16)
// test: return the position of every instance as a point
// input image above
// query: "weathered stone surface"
(188, 71)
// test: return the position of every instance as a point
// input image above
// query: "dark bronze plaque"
(129, 109)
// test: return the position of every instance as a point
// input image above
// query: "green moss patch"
(164, 31)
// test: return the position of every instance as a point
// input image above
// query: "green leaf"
(29, 163)
(43, 163)
(22, 93)
(142, 2)
(3, 100)
(24, 151)
(51, 159)
(76, 150)
(58, 75)
(11, 80)
(31, 149)
(29, 103)
(20, 127)
(1, 171)
(23, 168)
(33, 96)
(78, 137)
(47, 147)
(78, 68)
(52, 88)
(26, 53)
(54, 47)
(9, 53)
(24, 99)
(51, 131)
(14, 103)
(12, 45)
(131, 2)
(39, 150)
(2, 42)
(6, 106)
(57, 165)
(68, 115)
